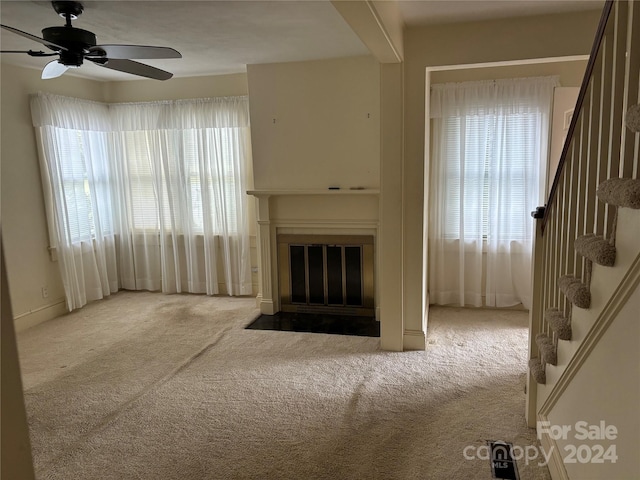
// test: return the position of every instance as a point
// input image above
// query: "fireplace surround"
(335, 218)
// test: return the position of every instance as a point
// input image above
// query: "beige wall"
(176, 88)
(393, 333)
(316, 124)
(23, 216)
(460, 44)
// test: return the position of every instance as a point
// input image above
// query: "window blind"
(469, 162)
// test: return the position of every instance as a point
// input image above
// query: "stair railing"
(597, 148)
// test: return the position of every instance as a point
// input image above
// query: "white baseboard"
(39, 315)
(414, 340)
(267, 307)
(555, 465)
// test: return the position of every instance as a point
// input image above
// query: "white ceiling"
(219, 37)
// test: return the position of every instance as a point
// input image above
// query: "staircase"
(595, 249)
(585, 319)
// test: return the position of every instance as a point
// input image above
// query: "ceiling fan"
(74, 45)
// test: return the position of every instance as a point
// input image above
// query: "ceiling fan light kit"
(74, 45)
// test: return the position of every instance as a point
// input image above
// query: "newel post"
(536, 313)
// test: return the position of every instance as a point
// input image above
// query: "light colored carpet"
(152, 386)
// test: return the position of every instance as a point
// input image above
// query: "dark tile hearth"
(318, 323)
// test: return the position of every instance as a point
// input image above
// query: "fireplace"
(331, 274)
(321, 226)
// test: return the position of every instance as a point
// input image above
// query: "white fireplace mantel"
(271, 223)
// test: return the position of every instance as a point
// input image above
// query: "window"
(184, 179)
(84, 182)
(490, 141)
(146, 201)
(469, 178)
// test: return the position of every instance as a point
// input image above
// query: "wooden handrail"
(597, 42)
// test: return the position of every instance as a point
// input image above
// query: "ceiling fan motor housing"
(71, 9)
(76, 40)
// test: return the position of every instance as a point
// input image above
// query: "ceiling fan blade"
(51, 45)
(53, 69)
(31, 53)
(129, 66)
(126, 52)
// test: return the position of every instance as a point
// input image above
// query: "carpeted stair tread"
(537, 371)
(596, 248)
(559, 323)
(575, 291)
(547, 349)
(622, 192)
(632, 118)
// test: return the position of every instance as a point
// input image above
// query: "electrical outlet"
(45, 292)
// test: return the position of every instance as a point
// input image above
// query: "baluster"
(617, 96)
(606, 56)
(629, 154)
(591, 173)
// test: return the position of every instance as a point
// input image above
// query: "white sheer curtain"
(74, 137)
(184, 194)
(490, 143)
(161, 185)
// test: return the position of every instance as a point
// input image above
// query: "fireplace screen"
(326, 274)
